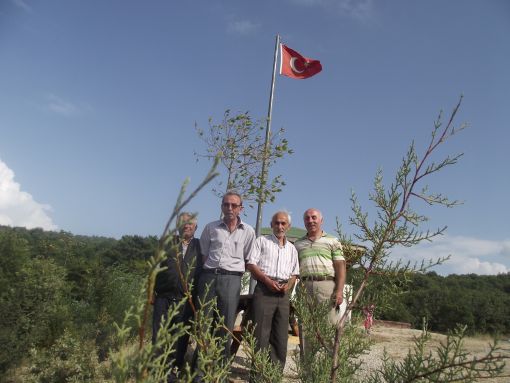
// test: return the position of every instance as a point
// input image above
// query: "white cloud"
(468, 255)
(18, 208)
(505, 249)
(358, 9)
(23, 5)
(60, 106)
(242, 27)
(476, 266)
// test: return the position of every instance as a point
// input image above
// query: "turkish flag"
(293, 65)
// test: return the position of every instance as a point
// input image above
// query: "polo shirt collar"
(322, 236)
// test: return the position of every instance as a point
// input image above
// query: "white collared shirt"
(225, 250)
(277, 262)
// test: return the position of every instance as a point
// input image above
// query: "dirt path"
(396, 341)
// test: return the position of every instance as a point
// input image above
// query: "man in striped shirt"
(274, 264)
(322, 263)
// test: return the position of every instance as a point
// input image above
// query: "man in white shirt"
(226, 245)
(274, 264)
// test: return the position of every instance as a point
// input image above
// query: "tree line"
(481, 302)
(56, 284)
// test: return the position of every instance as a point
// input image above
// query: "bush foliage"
(56, 283)
(481, 302)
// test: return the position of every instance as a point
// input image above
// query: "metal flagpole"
(262, 184)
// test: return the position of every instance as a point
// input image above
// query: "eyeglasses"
(226, 205)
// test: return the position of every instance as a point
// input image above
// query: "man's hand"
(273, 285)
(337, 297)
(284, 287)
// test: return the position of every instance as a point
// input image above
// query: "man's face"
(280, 225)
(231, 207)
(187, 226)
(313, 221)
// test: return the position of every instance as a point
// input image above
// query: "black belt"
(317, 278)
(222, 272)
(169, 297)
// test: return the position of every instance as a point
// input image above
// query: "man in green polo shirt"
(321, 264)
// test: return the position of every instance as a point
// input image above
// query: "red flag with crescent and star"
(294, 65)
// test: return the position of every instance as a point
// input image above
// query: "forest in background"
(63, 293)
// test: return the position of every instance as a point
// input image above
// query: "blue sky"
(99, 99)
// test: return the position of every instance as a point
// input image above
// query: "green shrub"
(68, 360)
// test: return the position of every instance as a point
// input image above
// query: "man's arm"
(205, 241)
(339, 267)
(295, 271)
(250, 244)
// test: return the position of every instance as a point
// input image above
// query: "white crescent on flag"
(293, 66)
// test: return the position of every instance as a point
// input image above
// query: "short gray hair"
(284, 212)
(193, 217)
(233, 192)
(314, 209)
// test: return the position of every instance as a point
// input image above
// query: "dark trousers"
(161, 306)
(226, 290)
(270, 313)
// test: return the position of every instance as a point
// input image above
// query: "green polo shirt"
(316, 257)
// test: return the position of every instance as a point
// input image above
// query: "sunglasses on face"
(226, 205)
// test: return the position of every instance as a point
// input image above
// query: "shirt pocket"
(237, 249)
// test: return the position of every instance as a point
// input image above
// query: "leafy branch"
(240, 142)
(397, 223)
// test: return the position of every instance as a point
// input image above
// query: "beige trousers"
(323, 291)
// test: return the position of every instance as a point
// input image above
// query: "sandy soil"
(396, 341)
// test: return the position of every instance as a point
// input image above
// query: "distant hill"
(293, 233)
